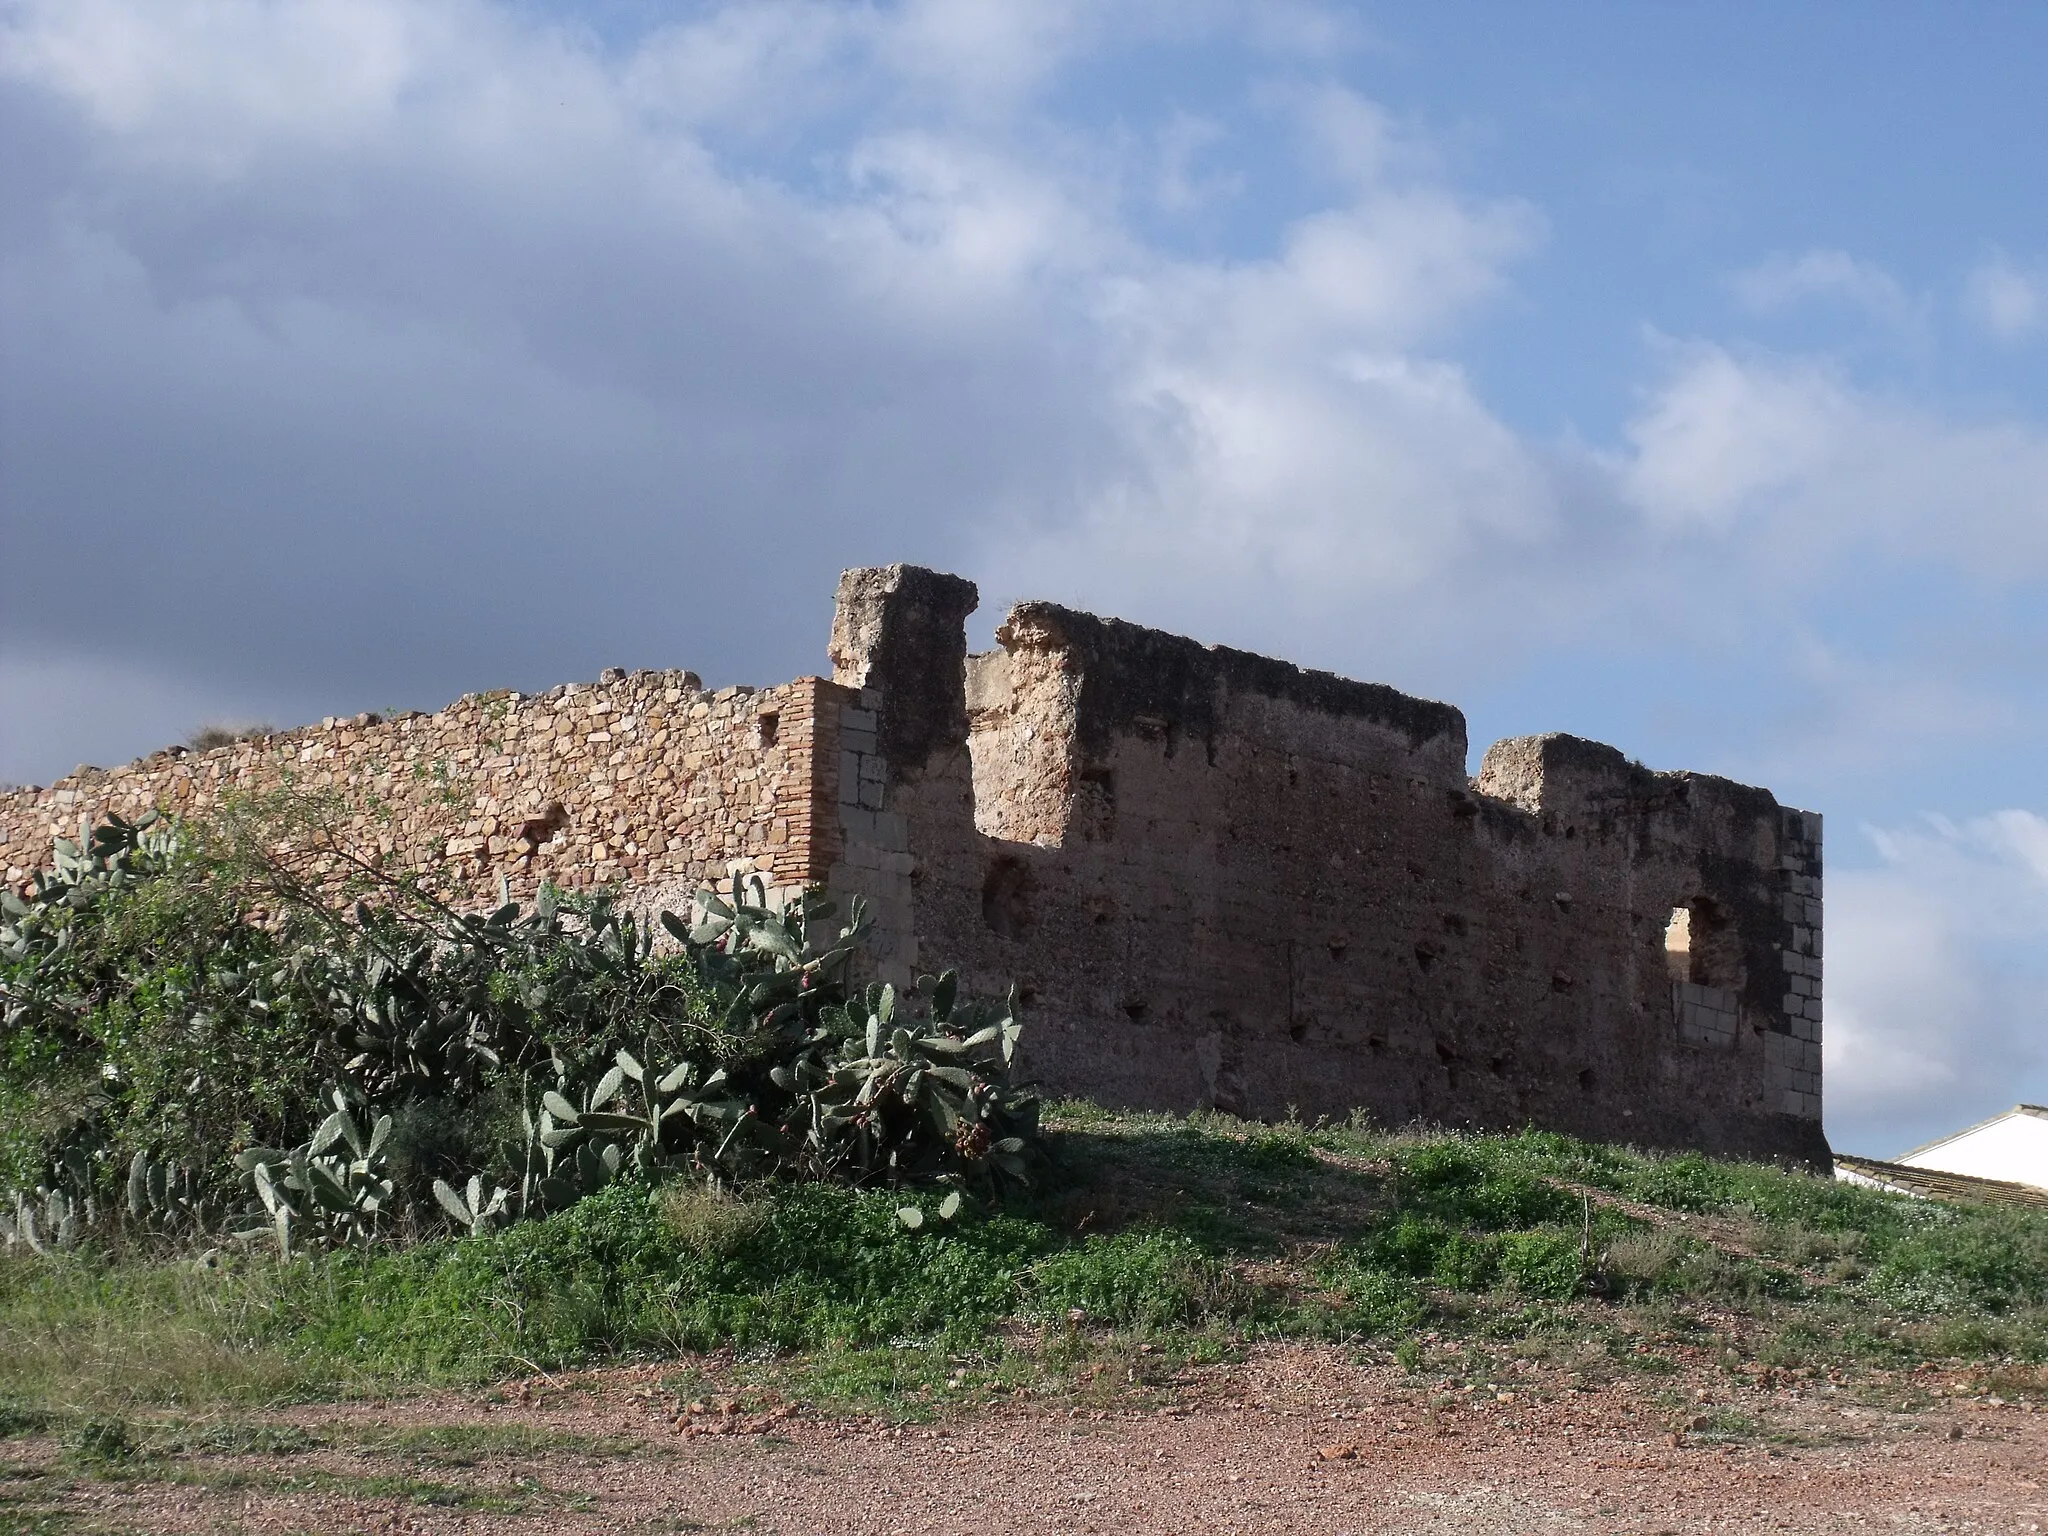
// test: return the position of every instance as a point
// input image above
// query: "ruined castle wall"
(642, 780)
(1216, 879)
(1213, 878)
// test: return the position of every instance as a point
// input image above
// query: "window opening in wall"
(1705, 962)
(1678, 944)
(771, 728)
(1700, 945)
(1006, 899)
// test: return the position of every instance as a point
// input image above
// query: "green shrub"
(1145, 1279)
(192, 1020)
(102, 1439)
(808, 1267)
(1472, 1182)
(1550, 1264)
(1374, 1302)
(1989, 1258)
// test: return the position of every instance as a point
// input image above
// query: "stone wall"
(641, 780)
(1217, 879)
(1214, 878)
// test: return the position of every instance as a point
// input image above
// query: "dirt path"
(1296, 1441)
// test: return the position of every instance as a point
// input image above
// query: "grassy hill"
(1151, 1241)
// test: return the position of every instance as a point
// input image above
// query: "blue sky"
(1670, 374)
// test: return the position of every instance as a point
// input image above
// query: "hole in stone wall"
(1700, 945)
(1136, 1010)
(1425, 956)
(771, 727)
(1377, 1044)
(1587, 1080)
(1006, 899)
(538, 828)
(1297, 1031)
(1338, 949)
(1094, 814)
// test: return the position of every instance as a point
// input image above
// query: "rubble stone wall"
(642, 780)
(1213, 878)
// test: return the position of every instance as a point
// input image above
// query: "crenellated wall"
(1217, 879)
(1213, 877)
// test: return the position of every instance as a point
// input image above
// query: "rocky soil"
(1294, 1440)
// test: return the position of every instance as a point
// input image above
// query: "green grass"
(1157, 1241)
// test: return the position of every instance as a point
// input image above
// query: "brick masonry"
(1214, 878)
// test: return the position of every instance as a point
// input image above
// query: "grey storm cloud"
(365, 423)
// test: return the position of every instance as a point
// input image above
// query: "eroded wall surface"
(641, 780)
(1217, 879)
(1213, 878)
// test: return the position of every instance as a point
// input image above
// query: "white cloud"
(1784, 280)
(215, 87)
(1720, 434)
(1936, 994)
(2008, 301)
(1788, 454)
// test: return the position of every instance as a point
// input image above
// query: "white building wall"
(2013, 1147)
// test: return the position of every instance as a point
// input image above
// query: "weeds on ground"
(1156, 1241)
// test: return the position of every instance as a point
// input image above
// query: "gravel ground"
(1295, 1440)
